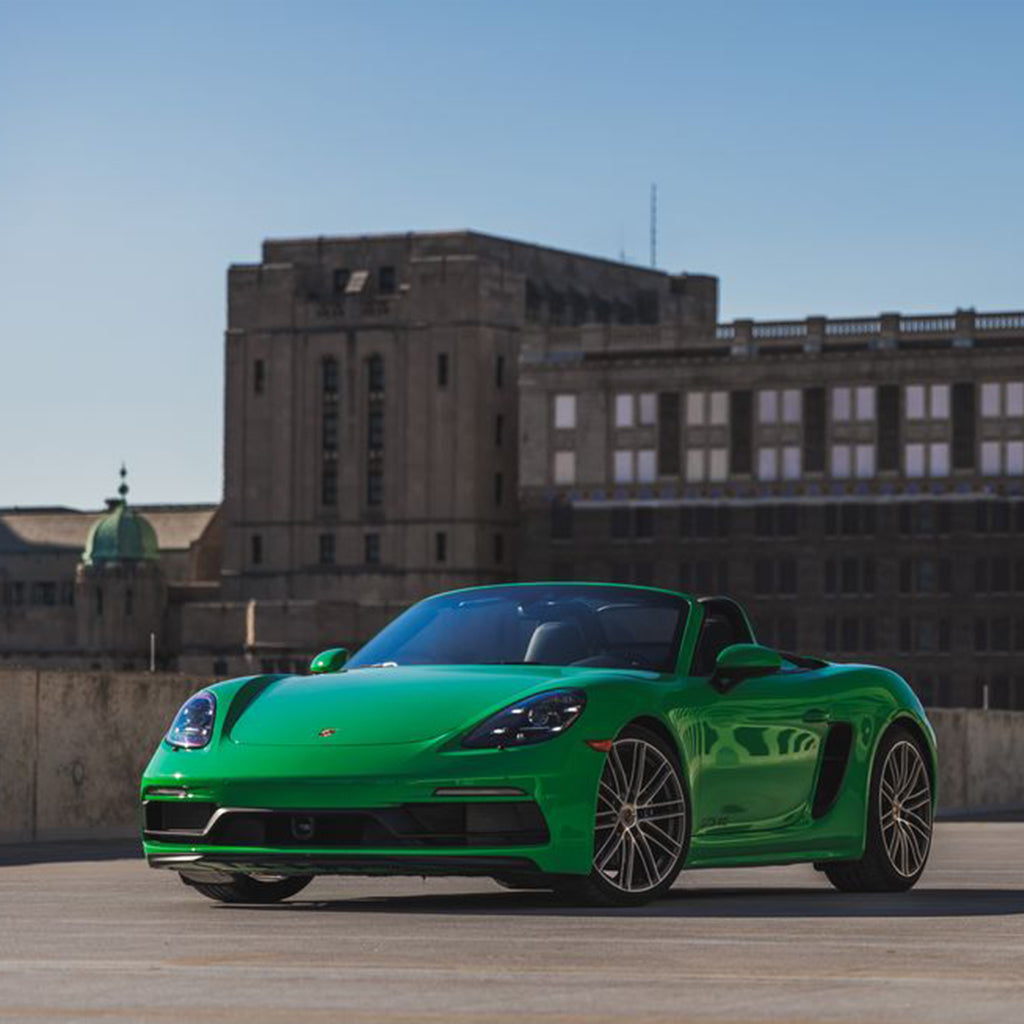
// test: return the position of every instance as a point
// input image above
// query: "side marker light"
(603, 745)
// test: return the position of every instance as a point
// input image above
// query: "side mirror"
(744, 661)
(332, 660)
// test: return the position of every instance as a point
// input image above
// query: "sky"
(821, 158)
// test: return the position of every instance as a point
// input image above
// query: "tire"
(899, 827)
(251, 889)
(641, 827)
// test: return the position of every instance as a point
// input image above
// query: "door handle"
(815, 715)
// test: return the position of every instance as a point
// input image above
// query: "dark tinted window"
(540, 624)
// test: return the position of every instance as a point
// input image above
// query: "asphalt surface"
(96, 939)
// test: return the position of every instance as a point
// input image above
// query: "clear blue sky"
(821, 158)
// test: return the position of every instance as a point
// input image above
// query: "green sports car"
(591, 739)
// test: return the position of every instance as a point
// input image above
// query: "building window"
(938, 458)
(792, 405)
(327, 549)
(624, 415)
(718, 408)
(623, 469)
(499, 430)
(915, 404)
(561, 520)
(620, 524)
(865, 405)
(565, 412)
(499, 488)
(927, 402)
(259, 376)
(648, 407)
(695, 408)
(371, 548)
(329, 484)
(643, 522)
(999, 457)
(329, 375)
(442, 369)
(499, 372)
(1015, 398)
(329, 431)
(375, 374)
(340, 279)
(841, 461)
(565, 468)
(767, 461)
(386, 280)
(646, 466)
(864, 461)
(791, 458)
(129, 603)
(991, 400)
(710, 408)
(768, 406)
(256, 549)
(374, 485)
(499, 548)
(375, 429)
(710, 464)
(773, 462)
(840, 405)
(440, 546)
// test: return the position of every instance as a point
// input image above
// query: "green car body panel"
(754, 755)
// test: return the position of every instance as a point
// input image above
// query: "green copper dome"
(122, 535)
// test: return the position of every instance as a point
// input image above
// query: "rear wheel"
(899, 821)
(251, 888)
(641, 827)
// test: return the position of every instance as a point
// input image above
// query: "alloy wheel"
(641, 817)
(905, 808)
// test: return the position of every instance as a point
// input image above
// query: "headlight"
(533, 720)
(193, 724)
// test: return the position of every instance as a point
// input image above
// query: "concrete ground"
(110, 940)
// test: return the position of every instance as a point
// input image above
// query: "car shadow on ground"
(689, 903)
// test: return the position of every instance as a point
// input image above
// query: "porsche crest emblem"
(324, 733)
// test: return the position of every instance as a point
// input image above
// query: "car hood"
(403, 704)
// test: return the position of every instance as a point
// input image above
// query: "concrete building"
(858, 484)
(410, 413)
(89, 589)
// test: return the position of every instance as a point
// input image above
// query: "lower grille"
(469, 824)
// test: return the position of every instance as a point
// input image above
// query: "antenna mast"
(654, 225)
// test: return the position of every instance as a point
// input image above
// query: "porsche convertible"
(588, 739)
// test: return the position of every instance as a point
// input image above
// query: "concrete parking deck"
(109, 940)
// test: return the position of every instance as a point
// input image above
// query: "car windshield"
(591, 626)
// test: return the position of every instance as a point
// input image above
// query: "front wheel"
(899, 821)
(641, 828)
(251, 888)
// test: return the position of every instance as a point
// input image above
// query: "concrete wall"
(73, 746)
(981, 758)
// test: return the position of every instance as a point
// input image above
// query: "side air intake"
(833, 767)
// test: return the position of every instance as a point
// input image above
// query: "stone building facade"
(410, 413)
(103, 589)
(858, 484)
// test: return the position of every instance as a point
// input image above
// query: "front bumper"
(398, 809)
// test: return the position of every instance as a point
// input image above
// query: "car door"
(760, 739)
